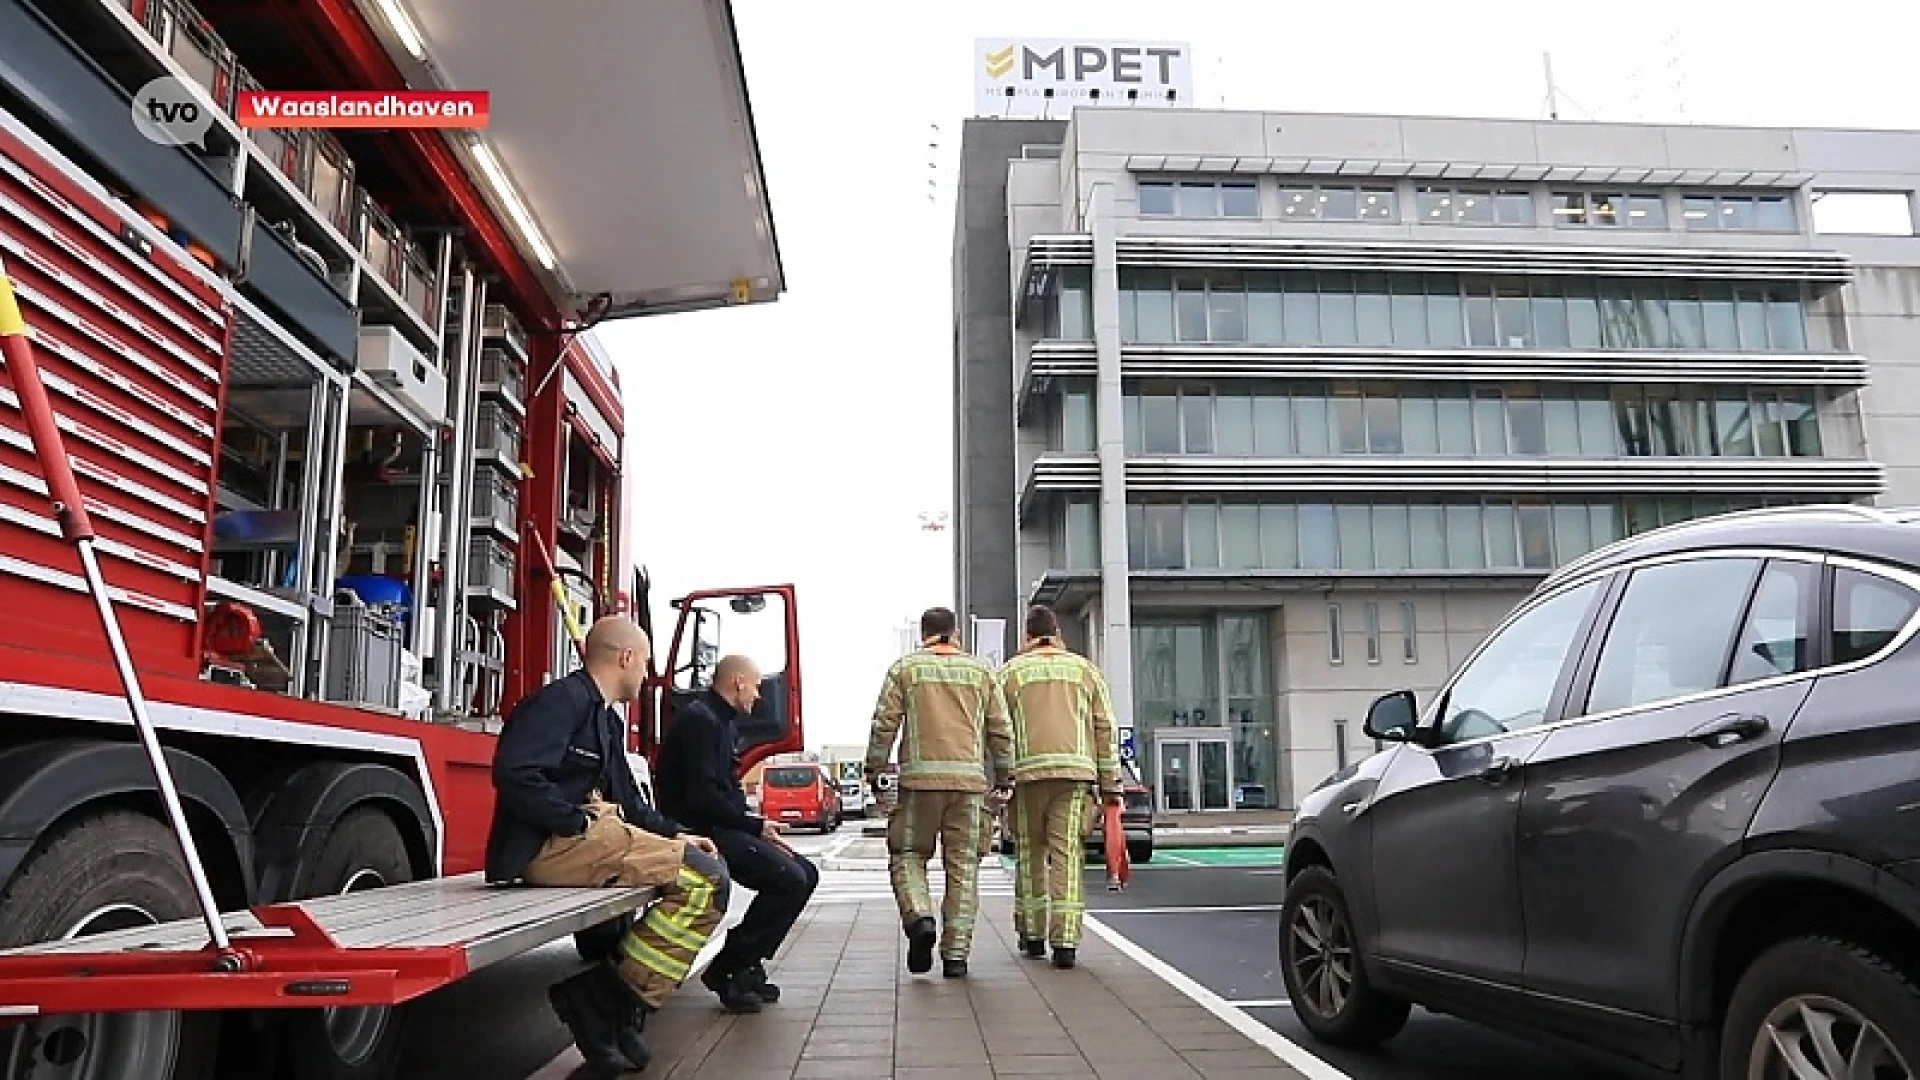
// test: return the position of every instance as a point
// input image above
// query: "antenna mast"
(1553, 96)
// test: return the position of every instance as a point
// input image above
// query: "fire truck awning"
(625, 129)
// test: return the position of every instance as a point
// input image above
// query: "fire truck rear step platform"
(382, 946)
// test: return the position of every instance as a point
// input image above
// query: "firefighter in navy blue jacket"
(567, 812)
(698, 783)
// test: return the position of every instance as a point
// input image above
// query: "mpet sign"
(1047, 77)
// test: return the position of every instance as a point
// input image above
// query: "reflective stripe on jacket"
(944, 707)
(1062, 718)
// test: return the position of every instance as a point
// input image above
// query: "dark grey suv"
(1668, 810)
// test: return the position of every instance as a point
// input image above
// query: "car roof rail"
(1832, 511)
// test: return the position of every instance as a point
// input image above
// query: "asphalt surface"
(1174, 912)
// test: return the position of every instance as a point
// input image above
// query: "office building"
(1284, 411)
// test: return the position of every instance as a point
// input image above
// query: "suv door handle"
(1730, 728)
(1499, 769)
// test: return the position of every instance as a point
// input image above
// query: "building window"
(1409, 633)
(1339, 743)
(1336, 636)
(1457, 420)
(1505, 535)
(1338, 202)
(1609, 210)
(1863, 213)
(1475, 206)
(1076, 422)
(1739, 213)
(1200, 198)
(1070, 309)
(1451, 311)
(1081, 548)
(1373, 632)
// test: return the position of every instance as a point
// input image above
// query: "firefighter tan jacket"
(945, 709)
(1062, 718)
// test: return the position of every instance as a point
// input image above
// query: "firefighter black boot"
(579, 1004)
(1035, 947)
(921, 937)
(629, 1013)
(953, 967)
(1064, 956)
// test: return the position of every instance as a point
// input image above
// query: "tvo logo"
(168, 112)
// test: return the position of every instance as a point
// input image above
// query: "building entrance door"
(1195, 773)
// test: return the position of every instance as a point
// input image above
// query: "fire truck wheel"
(108, 871)
(363, 851)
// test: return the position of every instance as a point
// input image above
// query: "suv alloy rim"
(1810, 1037)
(1322, 956)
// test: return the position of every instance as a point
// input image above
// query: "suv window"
(1868, 612)
(1779, 625)
(1671, 632)
(1508, 685)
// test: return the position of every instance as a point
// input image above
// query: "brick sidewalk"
(850, 1010)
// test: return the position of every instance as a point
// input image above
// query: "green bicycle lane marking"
(1210, 857)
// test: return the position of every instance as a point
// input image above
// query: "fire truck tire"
(109, 870)
(364, 850)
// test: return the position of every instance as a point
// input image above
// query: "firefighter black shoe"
(733, 988)
(1064, 956)
(1035, 947)
(577, 1005)
(630, 1015)
(953, 967)
(921, 938)
(763, 988)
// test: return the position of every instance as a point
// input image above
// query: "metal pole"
(77, 528)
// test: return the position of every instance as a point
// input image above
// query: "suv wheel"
(1822, 1008)
(1320, 961)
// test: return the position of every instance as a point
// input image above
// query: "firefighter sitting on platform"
(1064, 743)
(944, 708)
(567, 811)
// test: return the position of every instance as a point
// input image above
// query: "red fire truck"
(310, 467)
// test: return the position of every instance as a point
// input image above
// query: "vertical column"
(461, 364)
(1116, 638)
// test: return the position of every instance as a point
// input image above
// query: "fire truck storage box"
(391, 360)
(306, 302)
(497, 322)
(490, 565)
(193, 43)
(326, 177)
(496, 499)
(501, 374)
(42, 68)
(494, 431)
(363, 649)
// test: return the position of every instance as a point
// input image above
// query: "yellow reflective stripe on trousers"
(654, 960)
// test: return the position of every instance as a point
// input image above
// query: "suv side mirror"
(1391, 717)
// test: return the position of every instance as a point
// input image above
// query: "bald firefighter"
(1063, 745)
(944, 708)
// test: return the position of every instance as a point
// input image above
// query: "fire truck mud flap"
(383, 946)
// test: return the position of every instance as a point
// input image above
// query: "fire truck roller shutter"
(332, 827)
(83, 853)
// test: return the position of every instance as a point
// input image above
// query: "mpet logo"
(1025, 76)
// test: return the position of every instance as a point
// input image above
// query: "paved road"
(496, 1025)
(1218, 925)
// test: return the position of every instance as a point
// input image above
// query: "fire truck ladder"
(382, 947)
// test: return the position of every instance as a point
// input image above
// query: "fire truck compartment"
(382, 946)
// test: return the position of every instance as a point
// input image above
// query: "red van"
(800, 795)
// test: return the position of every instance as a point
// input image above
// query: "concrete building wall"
(984, 476)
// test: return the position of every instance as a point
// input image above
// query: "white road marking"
(1268, 1039)
(1262, 1003)
(1181, 910)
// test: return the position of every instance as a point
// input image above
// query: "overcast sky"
(800, 441)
